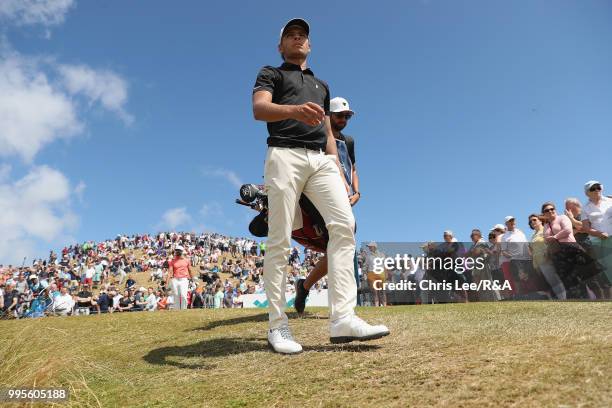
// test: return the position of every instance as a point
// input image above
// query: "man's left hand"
(354, 198)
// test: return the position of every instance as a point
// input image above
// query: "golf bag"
(311, 232)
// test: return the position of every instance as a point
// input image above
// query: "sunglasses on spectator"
(550, 209)
(533, 220)
(346, 116)
(595, 188)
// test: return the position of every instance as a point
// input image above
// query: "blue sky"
(466, 111)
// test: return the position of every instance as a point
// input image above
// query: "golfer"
(178, 270)
(302, 158)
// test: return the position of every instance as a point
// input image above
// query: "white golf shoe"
(281, 341)
(351, 328)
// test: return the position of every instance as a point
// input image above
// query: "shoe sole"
(279, 352)
(348, 339)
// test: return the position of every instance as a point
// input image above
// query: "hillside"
(475, 354)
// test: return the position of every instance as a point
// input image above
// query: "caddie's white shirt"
(515, 243)
(600, 216)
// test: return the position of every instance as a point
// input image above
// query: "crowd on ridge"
(98, 277)
(567, 256)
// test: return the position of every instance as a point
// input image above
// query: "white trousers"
(288, 173)
(179, 289)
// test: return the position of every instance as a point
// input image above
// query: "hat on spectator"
(33, 277)
(590, 184)
(508, 218)
(179, 248)
(142, 289)
(448, 232)
(372, 244)
(498, 226)
(339, 104)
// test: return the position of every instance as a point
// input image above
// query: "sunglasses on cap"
(596, 187)
(345, 115)
(549, 209)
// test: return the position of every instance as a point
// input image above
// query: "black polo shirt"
(289, 85)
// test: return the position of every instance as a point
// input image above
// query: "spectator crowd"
(567, 256)
(101, 277)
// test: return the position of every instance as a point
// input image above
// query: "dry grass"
(487, 354)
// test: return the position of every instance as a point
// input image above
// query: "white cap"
(508, 218)
(339, 104)
(448, 232)
(372, 244)
(33, 277)
(590, 184)
(142, 289)
(498, 226)
(179, 248)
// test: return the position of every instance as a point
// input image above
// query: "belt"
(299, 146)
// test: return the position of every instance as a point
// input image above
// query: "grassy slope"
(143, 278)
(486, 354)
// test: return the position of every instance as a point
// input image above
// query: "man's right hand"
(309, 113)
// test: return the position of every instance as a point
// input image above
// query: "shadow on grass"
(262, 317)
(222, 347)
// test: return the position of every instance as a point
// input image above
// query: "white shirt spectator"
(151, 302)
(21, 286)
(116, 300)
(600, 216)
(62, 303)
(515, 243)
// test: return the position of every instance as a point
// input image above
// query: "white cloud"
(102, 86)
(29, 12)
(32, 112)
(37, 105)
(174, 218)
(33, 208)
(229, 175)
